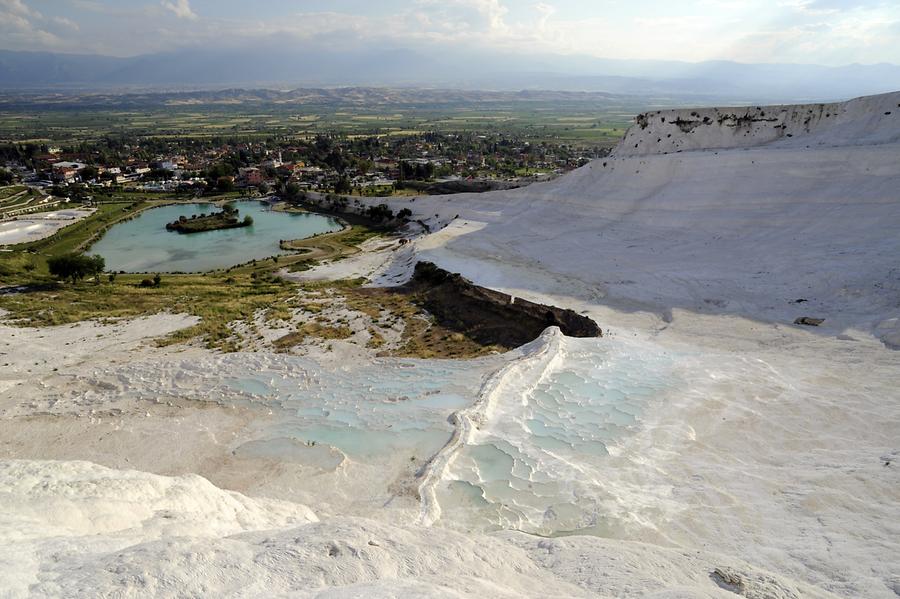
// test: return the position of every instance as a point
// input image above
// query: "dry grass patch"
(376, 339)
(422, 336)
(311, 329)
(216, 300)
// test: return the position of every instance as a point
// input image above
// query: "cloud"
(832, 31)
(180, 8)
(90, 5)
(17, 7)
(65, 23)
(546, 11)
(19, 26)
(843, 4)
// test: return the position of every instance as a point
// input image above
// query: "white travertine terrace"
(713, 449)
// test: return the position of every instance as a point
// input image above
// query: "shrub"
(380, 212)
(75, 267)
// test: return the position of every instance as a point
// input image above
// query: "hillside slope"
(759, 439)
(721, 217)
(703, 448)
(862, 121)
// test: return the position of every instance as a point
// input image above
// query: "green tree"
(158, 174)
(88, 173)
(291, 191)
(225, 184)
(343, 185)
(380, 213)
(75, 267)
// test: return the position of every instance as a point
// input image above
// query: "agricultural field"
(69, 127)
(582, 120)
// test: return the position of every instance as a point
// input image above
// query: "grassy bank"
(237, 299)
(216, 300)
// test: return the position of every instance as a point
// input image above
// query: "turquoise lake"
(143, 244)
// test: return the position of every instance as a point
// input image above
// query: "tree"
(420, 172)
(291, 191)
(225, 184)
(248, 220)
(158, 174)
(88, 173)
(220, 170)
(6, 177)
(379, 213)
(343, 185)
(75, 267)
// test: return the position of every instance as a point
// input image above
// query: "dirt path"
(321, 248)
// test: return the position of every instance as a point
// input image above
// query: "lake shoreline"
(142, 244)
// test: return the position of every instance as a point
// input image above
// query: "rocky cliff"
(873, 119)
(488, 316)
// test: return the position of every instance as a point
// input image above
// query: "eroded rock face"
(873, 119)
(491, 317)
(808, 321)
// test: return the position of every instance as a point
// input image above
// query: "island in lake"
(226, 219)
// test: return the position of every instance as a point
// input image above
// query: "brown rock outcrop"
(491, 317)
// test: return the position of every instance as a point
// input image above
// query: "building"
(251, 176)
(65, 172)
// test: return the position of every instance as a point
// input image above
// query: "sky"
(829, 32)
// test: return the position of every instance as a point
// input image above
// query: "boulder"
(488, 316)
(808, 321)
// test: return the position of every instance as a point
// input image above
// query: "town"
(364, 165)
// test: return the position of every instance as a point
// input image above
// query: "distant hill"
(294, 66)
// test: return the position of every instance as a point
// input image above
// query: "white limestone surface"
(706, 447)
(32, 228)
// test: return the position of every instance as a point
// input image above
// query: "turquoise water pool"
(538, 459)
(144, 245)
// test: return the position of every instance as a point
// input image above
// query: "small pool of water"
(144, 245)
(539, 462)
(371, 412)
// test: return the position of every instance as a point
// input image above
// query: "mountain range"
(296, 65)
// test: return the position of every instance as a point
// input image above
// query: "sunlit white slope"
(66, 512)
(740, 220)
(72, 529)
(863, 121)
